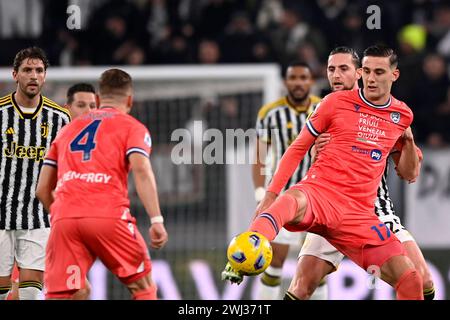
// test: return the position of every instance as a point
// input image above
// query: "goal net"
(206, 195)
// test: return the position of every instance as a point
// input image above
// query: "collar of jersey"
(378, 106)
(296, 108)
(24, 115)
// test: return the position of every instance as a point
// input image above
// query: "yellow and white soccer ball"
(249, 253)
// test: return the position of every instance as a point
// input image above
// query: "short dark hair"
(347, 50)
(295, 63)
(33, 53)
(381, 50)
(79, 87)
(114, 82)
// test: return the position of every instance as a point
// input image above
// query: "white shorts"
(26, 247)
(319, 247)
(290, 238)
(395, 225)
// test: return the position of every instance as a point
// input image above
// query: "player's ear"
(97, 100)
(358, 73)
(129, 103)
(395, 74)
(14, 74)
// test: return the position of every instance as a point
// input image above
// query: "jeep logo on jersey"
(30, 152)
(376, 154)
(395, 117)
(148, 140)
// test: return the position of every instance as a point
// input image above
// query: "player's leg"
(143, 288)
(122, 249)
(5, 287)
(83, 293)
(396, 268)
(30, 257)
(270, 286)
(309, 274)
(68, 260)
(289, 208)
(317, 258)
(7, 240)
(271, 279)
(415, 254)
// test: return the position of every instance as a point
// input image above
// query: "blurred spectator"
(269, 14)
(430, 95)
(238, 40)
(439, 29)
(292, 33)
(208, 52)
(214, 17)
(411, 39)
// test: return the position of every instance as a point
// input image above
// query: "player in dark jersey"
(29, 123)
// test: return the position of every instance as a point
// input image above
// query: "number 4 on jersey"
(88, 144)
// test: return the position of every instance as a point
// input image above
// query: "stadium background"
(218, 61)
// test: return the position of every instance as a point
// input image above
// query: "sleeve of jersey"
(139, 141)
(52, 156)
(317, 124)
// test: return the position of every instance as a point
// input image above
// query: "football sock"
(276, 216)
(409, 286)
(290, 296)
(30, 290)
(270, 285)
(428, 293)
(4, 291)
(146, 294)
(321, 292)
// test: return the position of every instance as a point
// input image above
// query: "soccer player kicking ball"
(335, 199)
(88, 165)
(318, 257)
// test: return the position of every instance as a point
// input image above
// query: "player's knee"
(409, 286)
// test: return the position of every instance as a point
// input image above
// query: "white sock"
(3, 296)
(270, 284)
(321, 293)
(29, 293)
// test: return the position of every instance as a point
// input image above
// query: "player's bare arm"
(46, 185)
(146, 189)
(258, 168)
(407, 161)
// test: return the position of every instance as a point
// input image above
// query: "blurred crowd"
(155, 32)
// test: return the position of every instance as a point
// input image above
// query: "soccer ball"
(249, 253)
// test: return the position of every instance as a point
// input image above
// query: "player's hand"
(229, 274)
(408, 135)
(268, 199)
(158, 235)
(321, 141)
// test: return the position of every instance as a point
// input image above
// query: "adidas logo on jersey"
(10, 130)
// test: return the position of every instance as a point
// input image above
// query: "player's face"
(83, 102)
(378, 77)
(342, 73)
(298, 83)
(30, 77)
